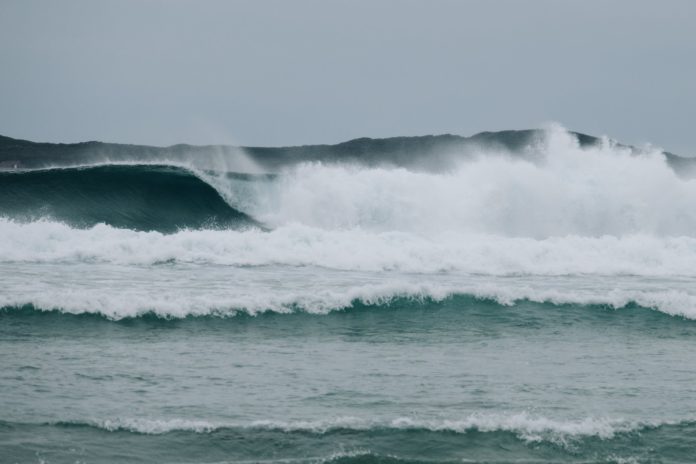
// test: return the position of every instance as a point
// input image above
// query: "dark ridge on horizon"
(400, 151)
(510, 138)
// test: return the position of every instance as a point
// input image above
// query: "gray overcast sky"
(282, 72)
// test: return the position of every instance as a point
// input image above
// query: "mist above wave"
(558, 188)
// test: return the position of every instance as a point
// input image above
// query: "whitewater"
(497, 305)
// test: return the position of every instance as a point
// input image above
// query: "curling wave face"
(137, 197)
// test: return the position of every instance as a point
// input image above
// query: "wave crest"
(526, 426)
(323, 302)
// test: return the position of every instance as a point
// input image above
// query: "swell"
(513, 439)
(139, 197)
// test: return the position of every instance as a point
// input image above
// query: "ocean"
(526, 305)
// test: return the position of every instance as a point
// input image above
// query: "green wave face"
(138, 197)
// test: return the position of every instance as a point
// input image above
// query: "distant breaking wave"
(400, 297)
(524, 425)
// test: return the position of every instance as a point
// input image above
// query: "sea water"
(505, 309)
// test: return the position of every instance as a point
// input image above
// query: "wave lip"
(129, 305)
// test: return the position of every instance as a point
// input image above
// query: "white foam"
(358, 249)
(526, 426)
(175, 300)
(556, 189)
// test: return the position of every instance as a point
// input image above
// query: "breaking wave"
(175, 305)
